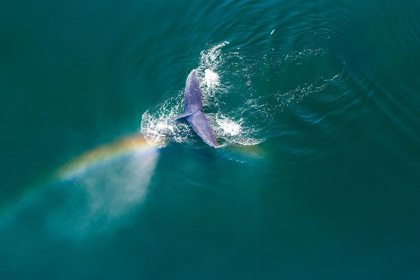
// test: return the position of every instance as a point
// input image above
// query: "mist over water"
(316, 104)
(90, 199)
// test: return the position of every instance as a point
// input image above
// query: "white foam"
(157, 124)
(234, 131)
(211, 58)
(211, 78)
(229, 127)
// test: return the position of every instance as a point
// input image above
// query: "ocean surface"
(316, 103)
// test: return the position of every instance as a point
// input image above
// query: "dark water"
(317, 103)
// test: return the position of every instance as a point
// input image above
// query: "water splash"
(242, 96)
(158, 126)
(212, 79)
(229, 127)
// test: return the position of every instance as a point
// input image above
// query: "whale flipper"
(192, 111)
(201, 125)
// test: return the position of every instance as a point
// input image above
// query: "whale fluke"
(193, 105)
(192, 96)
(201, 125)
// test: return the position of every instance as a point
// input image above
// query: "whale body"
(193, 105)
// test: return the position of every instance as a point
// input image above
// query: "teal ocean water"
(316, 104)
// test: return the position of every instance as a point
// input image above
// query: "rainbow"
(125, 146)
(130, 145)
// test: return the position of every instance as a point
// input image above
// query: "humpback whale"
(192, 111)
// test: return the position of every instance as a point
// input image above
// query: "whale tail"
(192, 96)
(193, 105)
(201, 125)
(182, 116)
